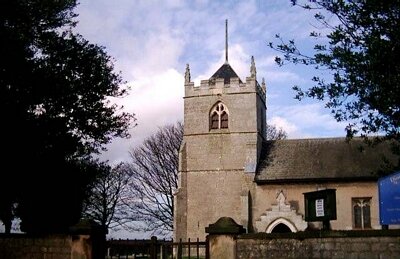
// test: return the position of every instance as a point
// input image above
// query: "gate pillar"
(222, 238)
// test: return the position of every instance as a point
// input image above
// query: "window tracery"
(361, 213)
(219, 117)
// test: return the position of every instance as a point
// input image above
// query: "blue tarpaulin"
(389, 199)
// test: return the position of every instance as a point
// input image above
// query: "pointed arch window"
(219, 117)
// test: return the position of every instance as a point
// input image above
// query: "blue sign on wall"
(389, 199)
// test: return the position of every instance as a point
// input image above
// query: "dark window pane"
(357, 216)
(367, 216)
(214, 121)
(224, 120)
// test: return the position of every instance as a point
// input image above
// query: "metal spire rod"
(226, 41)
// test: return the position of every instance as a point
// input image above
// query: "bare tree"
(273, 133)
(153, 173)
(104, 204)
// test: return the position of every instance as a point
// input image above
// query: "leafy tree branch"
(361, 53)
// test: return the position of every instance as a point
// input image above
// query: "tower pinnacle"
(263, 85)
(187, 74)
(253, 71)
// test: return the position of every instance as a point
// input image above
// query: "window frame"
(364, 216)
(221, 111)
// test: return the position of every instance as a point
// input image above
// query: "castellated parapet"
(218, 86)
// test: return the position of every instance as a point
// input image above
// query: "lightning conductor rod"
(226, 41)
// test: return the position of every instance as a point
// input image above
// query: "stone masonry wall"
(361, 246)
(265, 197)
(20, 246)
(210, 200)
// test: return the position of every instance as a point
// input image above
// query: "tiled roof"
(226, 72)
(323, 160)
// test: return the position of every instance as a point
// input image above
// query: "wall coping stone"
(323, 234)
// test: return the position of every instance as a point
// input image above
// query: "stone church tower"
(224, 127)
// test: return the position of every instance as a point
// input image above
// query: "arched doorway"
(281, 225)
(280, 213)
(281, 228)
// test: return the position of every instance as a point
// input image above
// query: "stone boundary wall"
(330, 244)
(21, 246)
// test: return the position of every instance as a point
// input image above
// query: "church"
(227, 168)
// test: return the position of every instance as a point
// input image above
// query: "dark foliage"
(50, 201)
(361, 53)
(54, 89)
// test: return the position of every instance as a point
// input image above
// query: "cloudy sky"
(152, 41)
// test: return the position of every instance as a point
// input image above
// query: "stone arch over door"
(280, 213)
(279, 221)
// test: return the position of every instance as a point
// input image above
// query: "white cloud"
(238, 59)
(282, 123)
(306, 121)
(282, 76)
(138, 34)
(266, 62)
(160, 52)
(156, 101)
